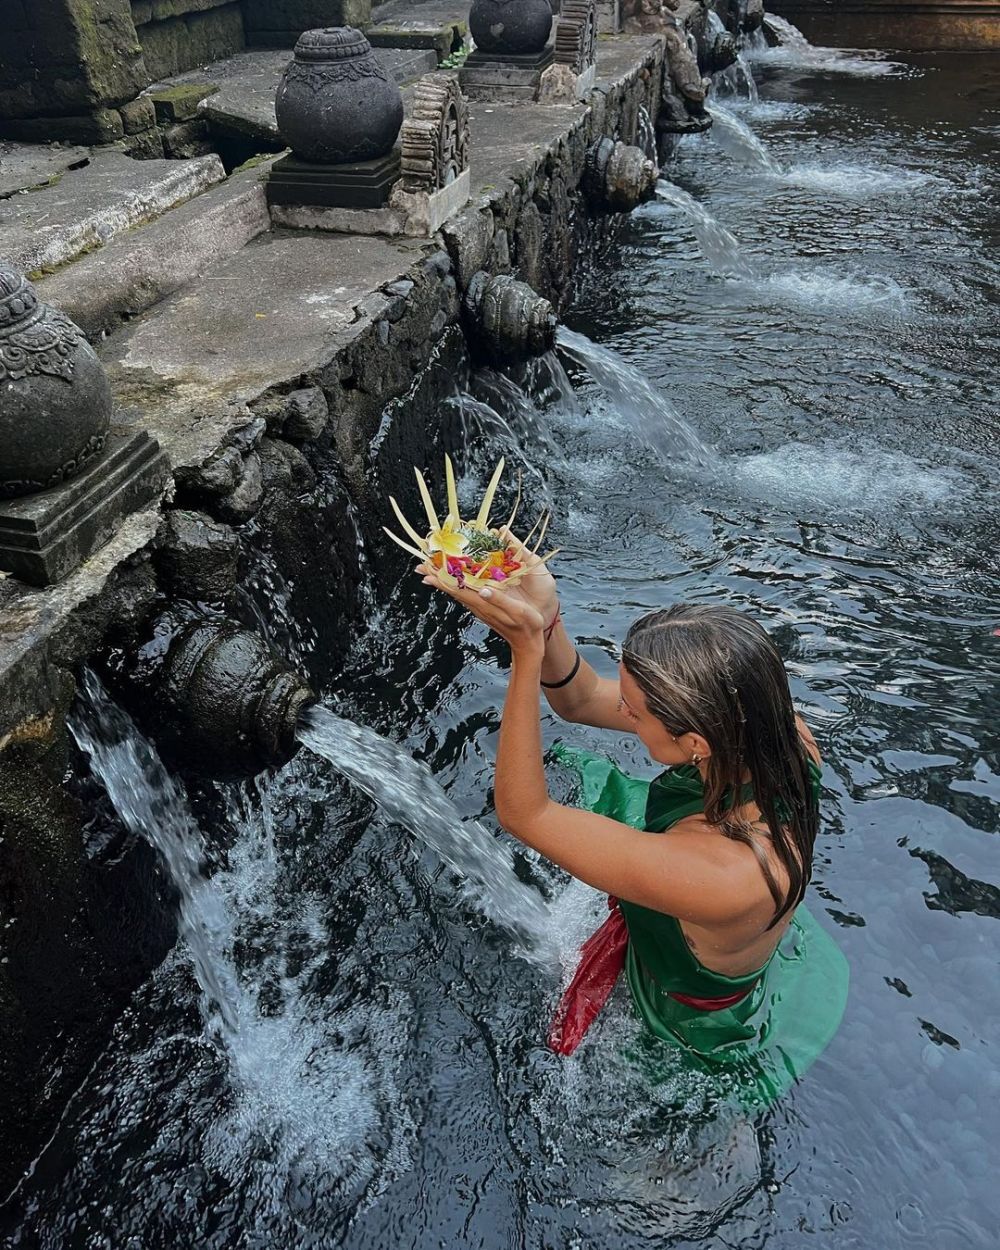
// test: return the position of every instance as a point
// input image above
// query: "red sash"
(601, 963)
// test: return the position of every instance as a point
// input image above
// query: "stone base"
(44, 537)
(415, 214)
(560, 85)
(356, 185)
(511, 80)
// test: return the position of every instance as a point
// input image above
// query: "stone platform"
(294, 306)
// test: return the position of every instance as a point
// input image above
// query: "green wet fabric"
(763, 1043)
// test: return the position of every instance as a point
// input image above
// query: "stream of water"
(776, 393)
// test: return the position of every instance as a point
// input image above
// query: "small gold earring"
(696, 759)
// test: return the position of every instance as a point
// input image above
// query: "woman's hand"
(514, 617)
(538, 586)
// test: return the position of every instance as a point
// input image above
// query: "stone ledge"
(135, 271)
(88, 207)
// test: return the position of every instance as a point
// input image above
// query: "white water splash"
(794, 51)
(718, 245)
(735, 137)
(862, 295)
(407, 792)
(153, 807)
(645, 411)
(312, 1099)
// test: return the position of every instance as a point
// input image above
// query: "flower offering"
(470, 553)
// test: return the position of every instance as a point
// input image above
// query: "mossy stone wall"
(68, 57)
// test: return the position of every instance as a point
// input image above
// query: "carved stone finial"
(55, 400)
(435, 136)
(576, 35)
(617, 176)
(510, 27)
(335, 103)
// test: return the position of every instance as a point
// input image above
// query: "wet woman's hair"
(715, 672)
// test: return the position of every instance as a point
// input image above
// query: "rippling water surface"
(391, 1087)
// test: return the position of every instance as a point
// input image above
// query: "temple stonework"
(73, 69)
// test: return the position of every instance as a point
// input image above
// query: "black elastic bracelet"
(556, 685)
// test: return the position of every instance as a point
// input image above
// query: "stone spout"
(617, 176)
(506, 318)
(231, 702)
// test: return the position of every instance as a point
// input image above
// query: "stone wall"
(72, 69)
(65, 68)
(177, 35)
(278, 23)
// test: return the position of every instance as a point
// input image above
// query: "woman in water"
(720, 956)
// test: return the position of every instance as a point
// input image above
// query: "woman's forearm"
(560, 656)
(520, 789)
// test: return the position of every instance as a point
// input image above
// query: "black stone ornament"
(228, 700)
(55, 399)
(510, 27)
(336, 104)
(506, 319)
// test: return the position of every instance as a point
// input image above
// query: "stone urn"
(510, 27)
(336, 104)
(55, 400)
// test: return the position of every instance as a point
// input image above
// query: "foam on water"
(794, 51)
(858, 181)
(769, 110)
(876, 482)
(861, 295)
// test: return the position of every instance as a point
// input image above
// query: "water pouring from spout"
(648, 413)
(407, 792)
(736, 138)
(720, 248)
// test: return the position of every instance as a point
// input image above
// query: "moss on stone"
(180, 103)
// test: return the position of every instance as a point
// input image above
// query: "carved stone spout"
(507, 318)
(618, 177)
(231, 702)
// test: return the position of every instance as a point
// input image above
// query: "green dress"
(772, 1035)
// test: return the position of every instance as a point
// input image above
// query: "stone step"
(31, 166)
(86, 207)
(273, 312)
(243, 87)
(142, 267)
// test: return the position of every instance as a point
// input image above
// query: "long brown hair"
(715, 672)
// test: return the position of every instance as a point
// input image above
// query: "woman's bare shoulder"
(809, 742)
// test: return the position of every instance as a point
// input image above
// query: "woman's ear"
(694, 745)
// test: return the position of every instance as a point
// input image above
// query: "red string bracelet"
(550, 629)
